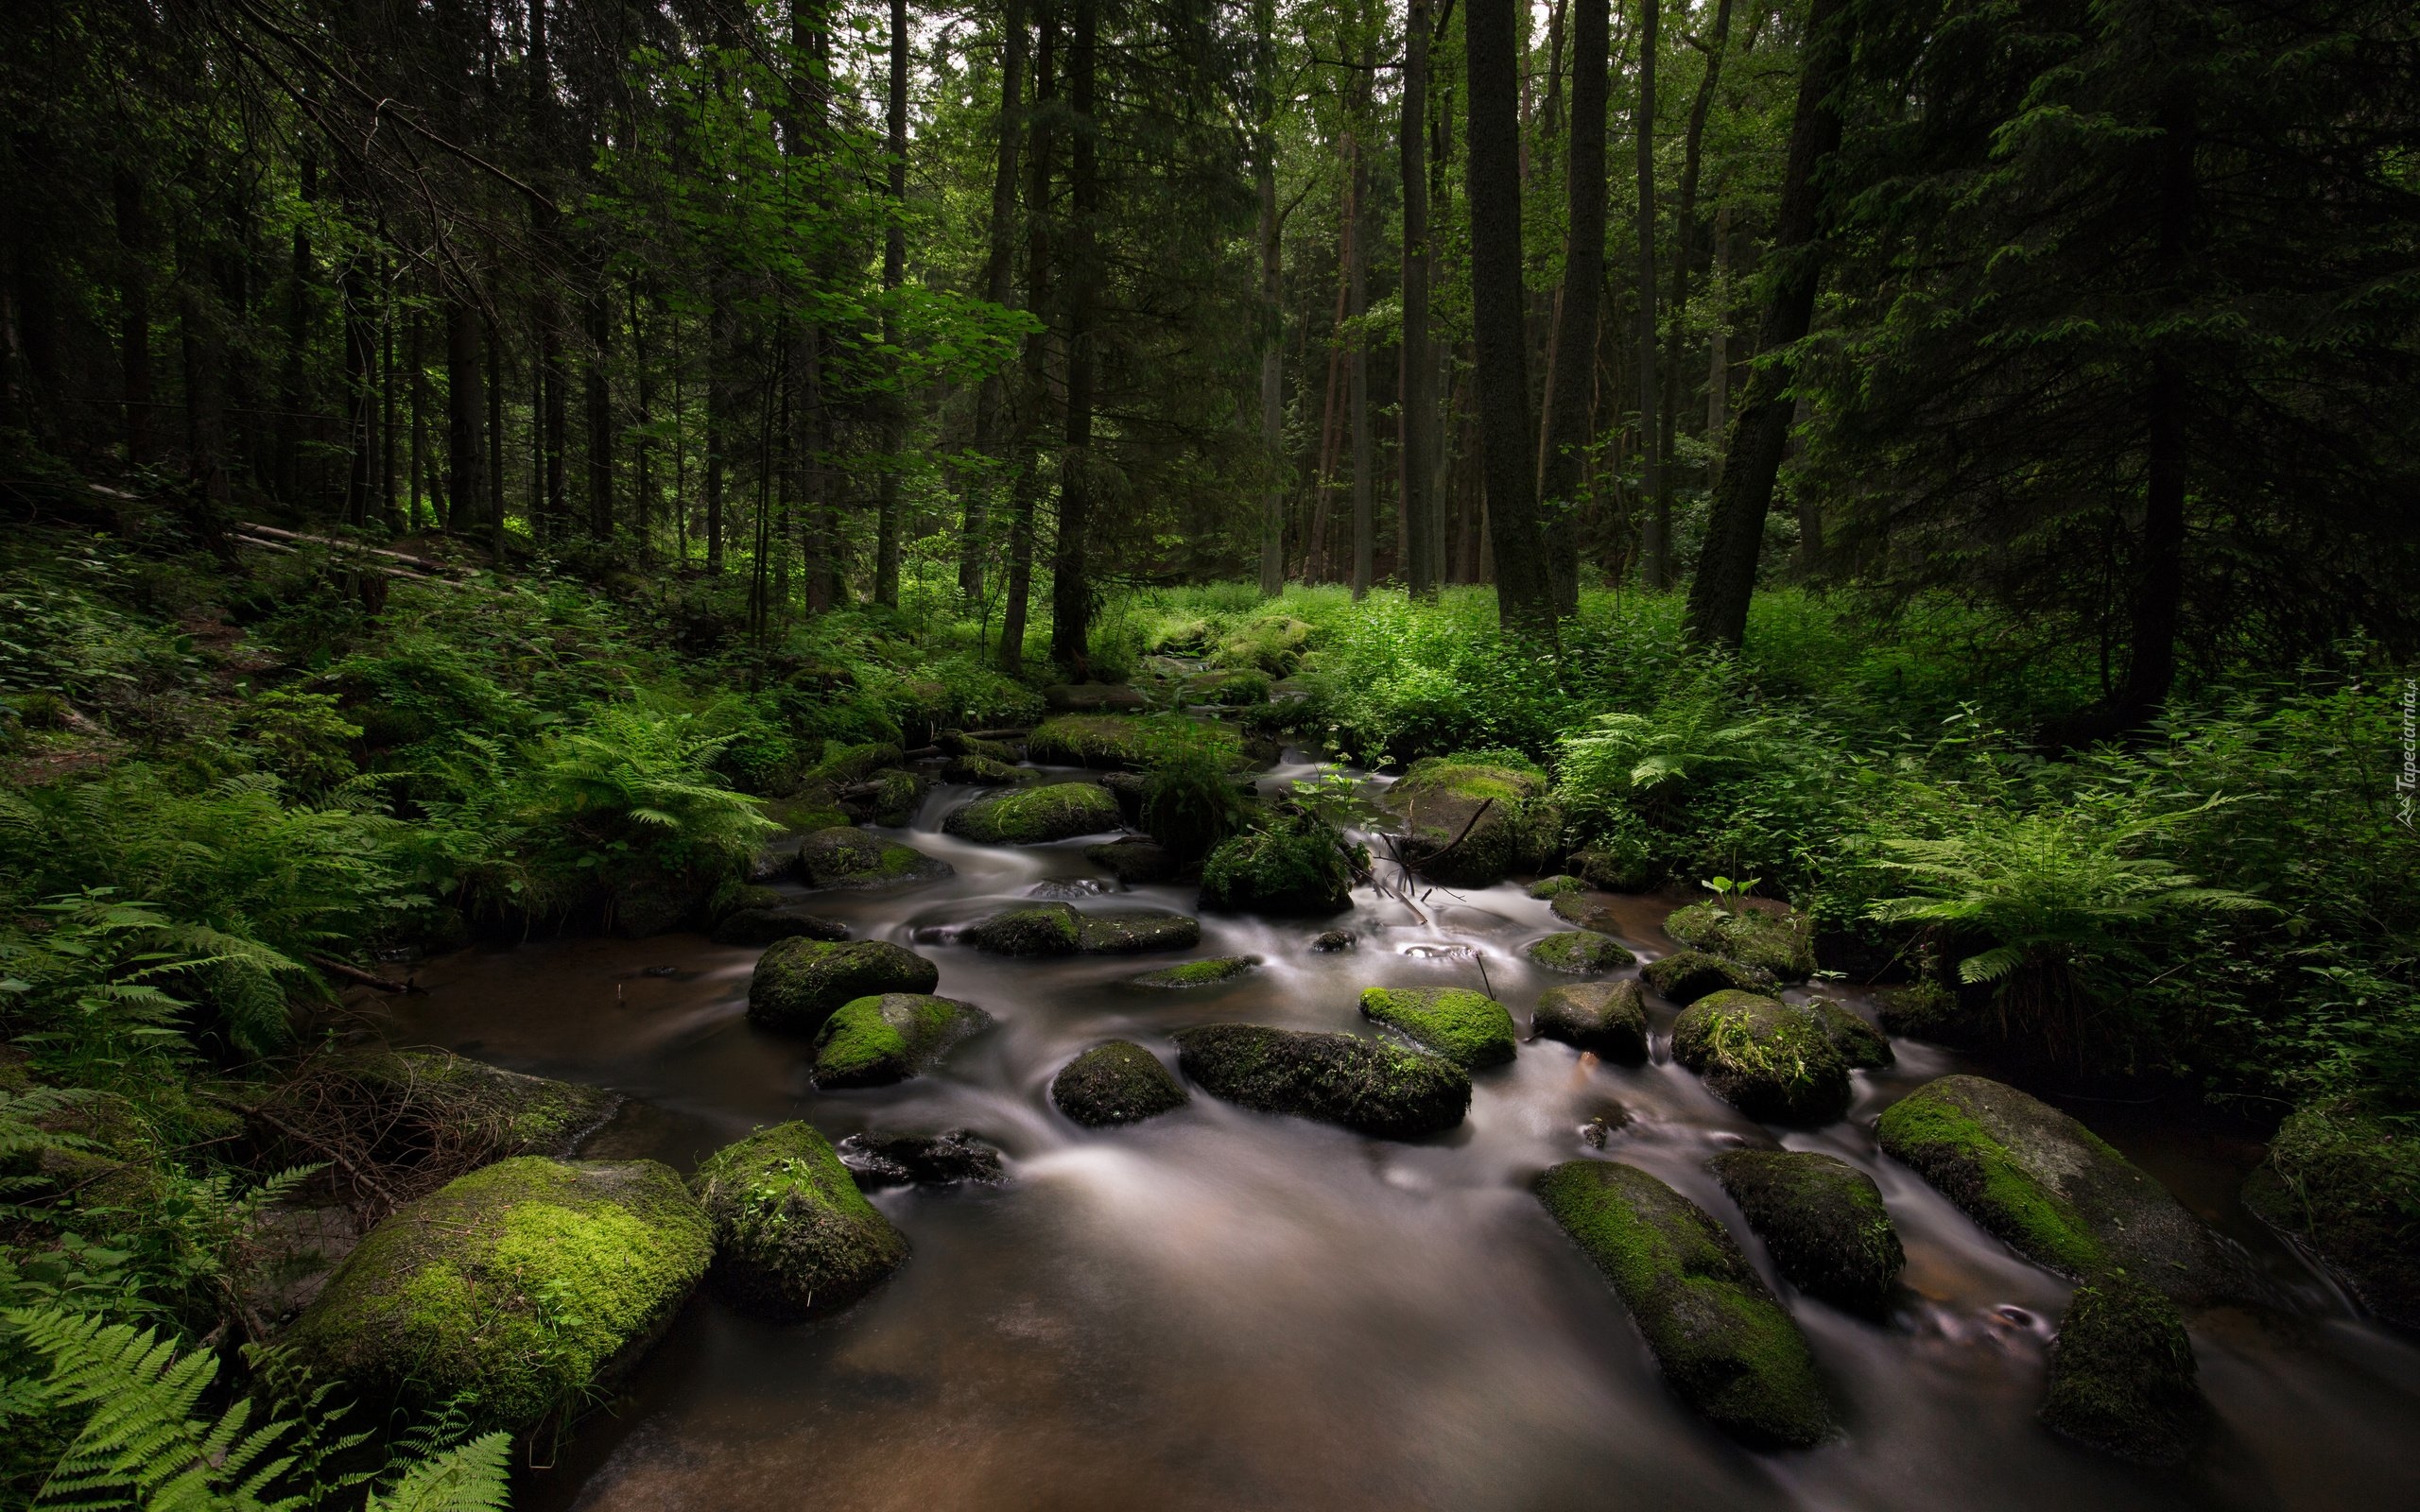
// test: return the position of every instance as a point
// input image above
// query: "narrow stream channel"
(1222, 1308)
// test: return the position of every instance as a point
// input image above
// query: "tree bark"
(1524, 593)
(1651, 481)
(1571, 378)
(1726, 577)
(1358, 364)
(466, 411)
(1036, 409)
(1416, 398)
(1071, 587)
(600, 414)
(1684, 236)
(134, 312)
(999, 286)
(1272, 302)
(894, 272)
(1718, 358)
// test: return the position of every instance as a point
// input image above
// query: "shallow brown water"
(1222, 1308)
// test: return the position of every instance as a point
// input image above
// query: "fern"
(471, 1477)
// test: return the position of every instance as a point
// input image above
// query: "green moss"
(798, 983)
(1119, 1082)
(1468, 1028)
(1728, 1349)
(982, 771)
(1032, 929)
(872, 1041)
(1781, 945)
(855, 764)
(1275, 645)
(1473, 822)
(1583, 909)
(1821, 1220)
(1036, 816)
(1685, 976)
(793, 1236)
(2122, 1375)
(1769, 1059)
(1930, 1131)
(1556, 886)
(1130, 741)
(525, 1286)
(1199, 974)
(1243, 686)
(1289, 868)
(893, 798)
(509, 1113)
(1136, 932)
(1609, 1018)
(844, 858)
(2347, 1183)
(1363, 1084)
(1860, 1044)
(1579, 951)
(959, 743)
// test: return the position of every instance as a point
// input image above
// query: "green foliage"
(1190, 801)
(304, 739)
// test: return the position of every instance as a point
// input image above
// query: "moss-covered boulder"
(1216, 970)
(1769, 1059)
(1929, 1011)
(1860, 1044)
(1609, 1018)
(959, 743)
(1471, 822)
(1138, 931)
(1295, 870)
(1239, 687)
(521, 1287)
(1587, 910)
(1685, 976)
(502, 1111)
(2347, 1185)
(763, 926)
(1727, 1347)
(846, 859)
(879, 1158)
(1556, 886)
(872, 1041)
(2122, 1375)
(1113, 741)
(1057, 929)
(805, 813)
(799, 982)
(1366, 1084)
(1119, 1082)
(1468, 1028)
(1273, 645)
(1137, 860)
(794, 1237)
(1821, 1220)
(1780, 945)
(1036, 816)
(2052, 1188)
(847, 766)
(1029, 929)
(889, 797)
(1578, 953)
(982, 771)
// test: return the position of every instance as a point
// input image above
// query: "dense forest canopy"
(1946, 471)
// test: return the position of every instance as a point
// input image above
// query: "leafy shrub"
(304, 738)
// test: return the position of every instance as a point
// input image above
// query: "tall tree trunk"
(1273, 301)
(895, 271)
(1718, 358)
(1650, 480)
(466, 415)
(719, 321)
(1684, 233)
(361, 395)
(643, 451)
(133, 312)
(204, 350)
(1071, 585)
(288, 480)
(1416, 400)
(386, 424)
(1356, 285)
(1717, 611)
(600, 413)
(1034, 411)
(1571, 379)
(1525, 590)
(811, 42)
(999, 286)
(416, 353)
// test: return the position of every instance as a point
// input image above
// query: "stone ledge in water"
(888, 797)
(1821, 1220)
(1119, 1082)
(524, 1286)
(794, 1237)
(847, 858)
(2052, 1188)
(982, 771)
(1058, 929)
(876, 1041)
(2122, 1375)
(1036, 816)
(1770, 1060)
(1685, 976)
(1860, 1044)
(2346, 1183)
(959, 743)
(1365, 1085)
(1471, 822)
(1137, 931)
(1578, 953)
(1609, 1018)
(1135, 859)
(798, 983)
(1727, 1347)
(504, 1112)
(767, 926)
(921, 1159)
(1587, 910)
(1199, 974)
(1468, 1028)
(1780, 945)
(1555, 886)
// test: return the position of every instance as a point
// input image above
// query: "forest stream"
(1221, 1308)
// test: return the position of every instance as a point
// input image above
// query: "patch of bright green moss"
(1468, 1028)
(1946, 1146)
(1769, 1059)
(1056, 812)
(2348, 1183)
(1287, 868)
(1555, 886)
(799, 982)
(1578, 953)
(793, 1235)
(1199, 974)
(872, 1041)
(1119, 1082)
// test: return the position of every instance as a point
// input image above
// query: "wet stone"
(878, 1159)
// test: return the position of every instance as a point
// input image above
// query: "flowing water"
(1224, 1308)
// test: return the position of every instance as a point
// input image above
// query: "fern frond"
(471, 1477)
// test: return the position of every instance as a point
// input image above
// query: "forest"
(1757, 663)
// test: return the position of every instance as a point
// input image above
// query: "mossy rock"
(1578, 953)
(2052, 1188)
(1119, 1082)
(1780, 945)
(729, 900)
(1058, 929)
(2122, 1375)
(521, 1287)
(1127, 788)
(1239, 687)
(1609, 1018)
(506, 1111)
(1727, 1347)
(982, 771)
(1115, 742)
(1136, 860)
(1860, 1044)
(1329, 941)
(846, 859)
(888, 797)
(1587, 910)
(959, 743)
(1275, 645)
(1555, 886)
(1137, 931)
(1618, 867)
(805, 813)
(1821, 1220)
(765, 926)
(2347, 1184)
(1770, 1060)
(852, 765)
(794, 1238)
(1452, 840)
(1365, 1085)
(1092, 698)
(1468, 1028)
(1685, 976)
(876, 1041)
(1291, 870)
(1929, 1011)
(1030, 929)
(800, 982)
(884, 1160)
(1037, 815)
(1181, 638)
(1199, 974)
